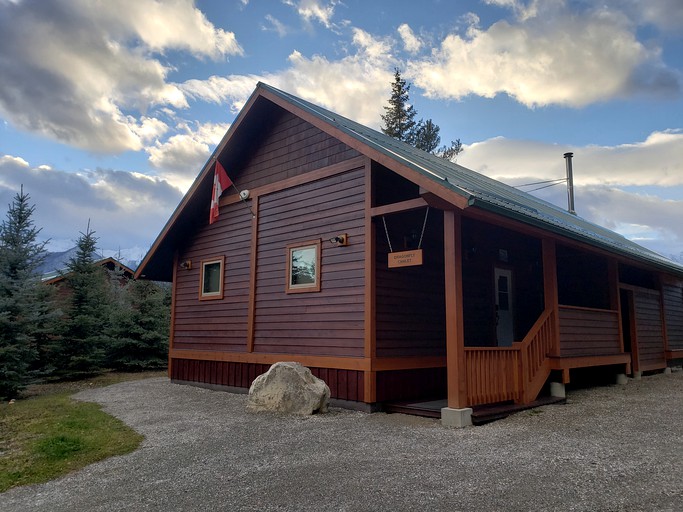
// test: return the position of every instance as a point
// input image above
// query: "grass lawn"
(47, 434)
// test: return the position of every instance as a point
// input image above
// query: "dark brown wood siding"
(343, 384)
(585, 332)
(215, 324)
(410, 300)
(649, 330)
(291, 147)
(423, 383)
(329, 322)
(673, 314)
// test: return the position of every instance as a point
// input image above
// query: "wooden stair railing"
(535, 348)
(516, 373)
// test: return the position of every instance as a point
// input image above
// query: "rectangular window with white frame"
(211, 279)
(303, 267)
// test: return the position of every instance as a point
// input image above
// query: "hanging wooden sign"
(410, 258)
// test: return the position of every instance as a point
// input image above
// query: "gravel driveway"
(608, 449)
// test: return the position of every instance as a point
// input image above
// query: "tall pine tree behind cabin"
(398, 121)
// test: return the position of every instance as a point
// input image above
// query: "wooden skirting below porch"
(567, 363)
(674, 354)
(564, 364)
(480, 413)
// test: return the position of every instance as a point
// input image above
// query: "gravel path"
(616, 448)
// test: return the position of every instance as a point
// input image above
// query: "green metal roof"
(484, 192)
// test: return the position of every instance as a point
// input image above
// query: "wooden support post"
(174, 290)
(614, 297)
(370, 264)
(370, 348)
(455, 333)
(662, 312)
(251, 313)
(370, 387)
(550, 293)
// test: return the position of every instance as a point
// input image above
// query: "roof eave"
(545, 226)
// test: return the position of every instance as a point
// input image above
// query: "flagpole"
(239, 192)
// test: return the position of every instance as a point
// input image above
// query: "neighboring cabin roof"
(466, 187)
(57, 275)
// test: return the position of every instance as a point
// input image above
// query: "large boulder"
(289, 388)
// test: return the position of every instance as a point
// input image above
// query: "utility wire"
(557, 181)
(545, 186)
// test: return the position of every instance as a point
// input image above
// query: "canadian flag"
(221, 181)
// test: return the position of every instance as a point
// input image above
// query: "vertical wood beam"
(455, 332)
(171, 330)
(614, 297)
(633, 327)
(550, 293)
(370, 315)
(251, 312)
(662, 312)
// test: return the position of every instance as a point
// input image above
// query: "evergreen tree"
(21, 301)
(399, 117)
(79, 351)
(451, 152)
(427, 136)
(398, 122)
(140, 329)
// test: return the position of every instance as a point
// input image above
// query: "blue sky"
(108, 110)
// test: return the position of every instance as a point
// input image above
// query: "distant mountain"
(56, 261)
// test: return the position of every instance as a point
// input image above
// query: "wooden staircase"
(512, 374)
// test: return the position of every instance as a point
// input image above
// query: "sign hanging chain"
(422, 234)
(386, 231)
(424, 225)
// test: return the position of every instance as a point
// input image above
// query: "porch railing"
(499, 374)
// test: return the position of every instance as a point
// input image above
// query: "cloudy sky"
(108, 110)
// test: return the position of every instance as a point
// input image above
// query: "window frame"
(307, 287)
(212, 295)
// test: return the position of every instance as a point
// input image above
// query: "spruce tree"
(140, 328)
(399, 117)
(21, 302)
(79, 351)
(398, 122)
(427, 136)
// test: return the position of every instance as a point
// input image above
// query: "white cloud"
(315, 10)
(355, 86)
(98, 72)
(621, 187)
(543, 58)
(16, 160)
(411, 42)
(176, 24)
(275, 25)
(656, 161)
(180, 158)
(125, 209)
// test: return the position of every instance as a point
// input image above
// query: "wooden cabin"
(396, 275)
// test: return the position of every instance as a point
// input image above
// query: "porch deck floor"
(480, 413)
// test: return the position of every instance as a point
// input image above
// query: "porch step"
(430, 409)
(481, 414)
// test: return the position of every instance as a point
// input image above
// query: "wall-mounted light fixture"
(186, 264)
(340, 240)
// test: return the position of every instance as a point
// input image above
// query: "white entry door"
(504, 303)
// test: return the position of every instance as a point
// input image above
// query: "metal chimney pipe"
(570, 183)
